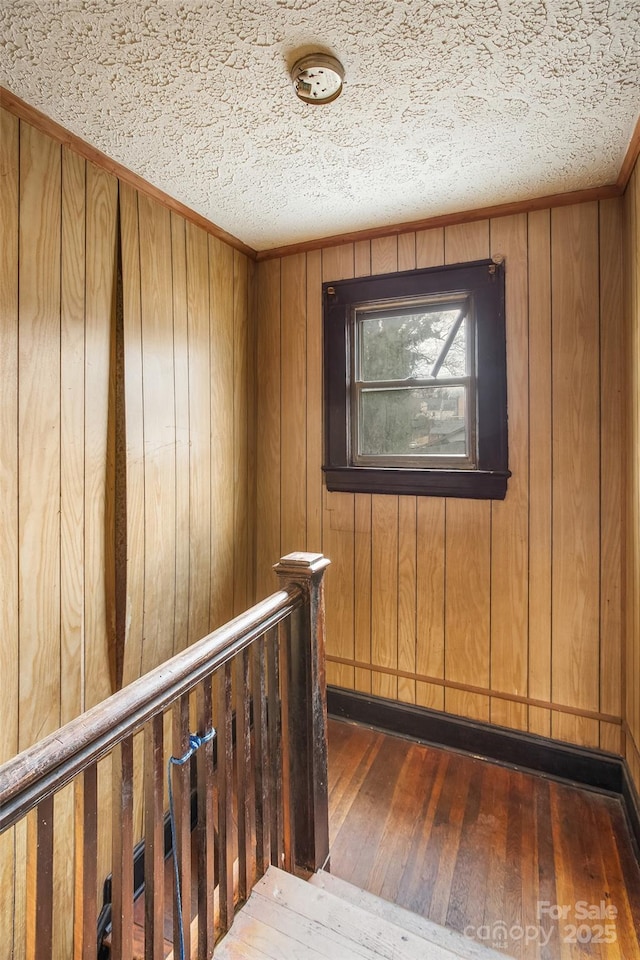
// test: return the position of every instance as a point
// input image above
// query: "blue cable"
(195, 741)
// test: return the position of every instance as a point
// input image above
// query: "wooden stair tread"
(444, 936)
(287, 918)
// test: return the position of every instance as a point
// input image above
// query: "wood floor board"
(478, 848)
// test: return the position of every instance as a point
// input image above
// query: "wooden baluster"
(275, 747)
(87, 869)
(308, 710)
(181, 783)
(122, 851)
(206, 832)
(243, 773)
(260, 757)
(39, 932)
(288, 832)
(225, 798)
(154, 839)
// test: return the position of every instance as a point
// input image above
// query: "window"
(415, 382)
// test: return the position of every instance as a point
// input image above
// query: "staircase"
(287, 918)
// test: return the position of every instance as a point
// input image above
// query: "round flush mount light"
(317, 78)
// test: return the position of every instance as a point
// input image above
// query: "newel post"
(308, 710)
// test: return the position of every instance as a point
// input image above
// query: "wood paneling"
(540, 468)
(186, 404)
(241, 561)
(510, 611)
(477, 846)
(510, 517)
(39, 435)
(159, 432)
(612, 425)
(9, 569)
(338, 526)
(223, 506)
(199, 430)
(100, 307)
(576, 467)
(293, 350)
(269, 457)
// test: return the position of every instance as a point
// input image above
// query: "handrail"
(41, 770)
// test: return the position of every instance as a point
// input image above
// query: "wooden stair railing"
(261, 792)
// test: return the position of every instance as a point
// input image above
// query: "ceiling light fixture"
(317, 78)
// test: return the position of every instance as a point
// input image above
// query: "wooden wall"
(150, 407)
(508, 611)
(632, 646)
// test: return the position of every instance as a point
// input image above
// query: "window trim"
(484, 280)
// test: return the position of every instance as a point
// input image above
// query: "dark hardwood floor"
(489, 851)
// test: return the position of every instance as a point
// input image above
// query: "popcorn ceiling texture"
(447, 105)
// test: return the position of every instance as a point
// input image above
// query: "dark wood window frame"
(484, 280)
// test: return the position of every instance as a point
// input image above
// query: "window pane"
(423, 421)
(396, 347)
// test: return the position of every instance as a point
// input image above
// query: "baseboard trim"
(591, 768)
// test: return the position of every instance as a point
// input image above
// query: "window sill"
(468, 484)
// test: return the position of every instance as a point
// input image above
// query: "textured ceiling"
(447, 105)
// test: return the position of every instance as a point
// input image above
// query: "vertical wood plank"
(100, 305)
(384, 255)
(510, 517)
(293, 488)
(223, 452)
(269, 462)
(612, 442)
(407, 251)
(9, 616)
(362, 590)
(181, 399)
(314, 401)
(39, 435)
(407, 595)
(430, 607)
(384, 593)
(467, 613)
(132, 336)
(156, 297)
(468, 548)
(576, 468)
(199, 431)
(252, 408)
(631, 651)
(240, 432)
(72, 311)
(338, 529)
(540, 459)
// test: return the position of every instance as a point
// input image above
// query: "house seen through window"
(415, 382)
